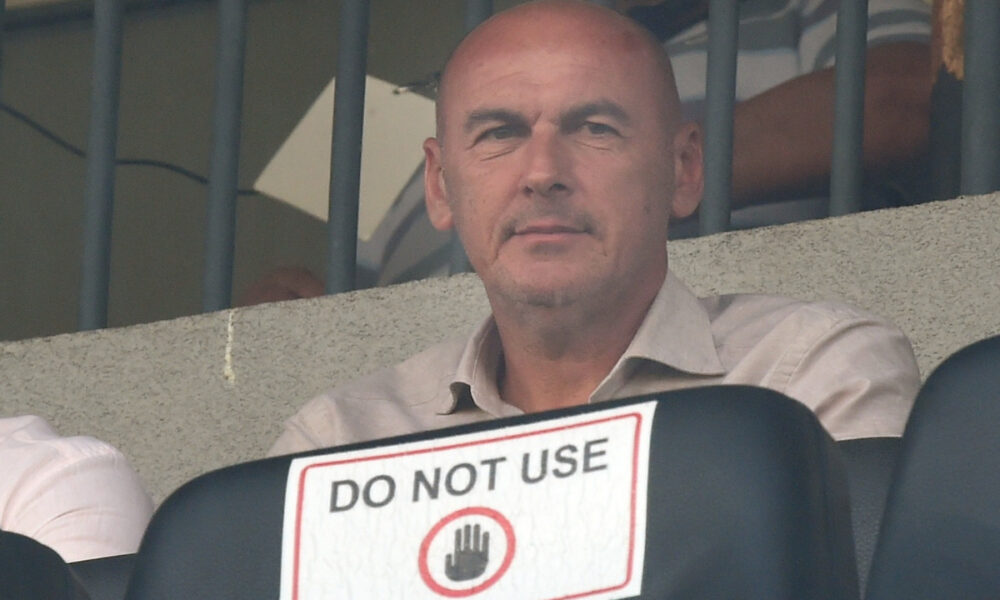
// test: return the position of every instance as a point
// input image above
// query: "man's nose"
(547, 168)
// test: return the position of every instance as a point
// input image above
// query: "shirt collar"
(476, 374)
(676, 332)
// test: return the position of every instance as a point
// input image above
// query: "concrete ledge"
(185, 396)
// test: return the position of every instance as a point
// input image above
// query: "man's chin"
(547, 293)
(547, 283)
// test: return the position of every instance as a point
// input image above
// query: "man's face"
(555, 160)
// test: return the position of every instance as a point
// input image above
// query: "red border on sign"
(503, 438)
(508, 556)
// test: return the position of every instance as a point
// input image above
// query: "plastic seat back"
(746, 498)
(940, 534)
(30, 570)
(869, 463)
(104, 578)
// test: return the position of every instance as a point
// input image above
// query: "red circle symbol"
(482, 511)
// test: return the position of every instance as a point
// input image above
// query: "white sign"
(554, 509)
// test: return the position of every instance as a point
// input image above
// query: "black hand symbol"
(471, 554)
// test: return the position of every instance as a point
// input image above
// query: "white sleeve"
(88, 504)
(888, 21)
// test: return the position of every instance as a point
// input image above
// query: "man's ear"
(435, 191)
(689, 181)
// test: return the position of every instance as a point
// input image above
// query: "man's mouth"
(548, 225)
(547, 229)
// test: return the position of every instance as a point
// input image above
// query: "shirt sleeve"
(296, 437)
(91, 505)
(888, 21)
(318, 424)
(859, 376)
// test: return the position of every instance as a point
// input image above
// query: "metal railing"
(102, 140)
(223, 179)
(345, 171)
(980, 148)
(981, 98)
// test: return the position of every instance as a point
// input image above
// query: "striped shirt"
(783, 39)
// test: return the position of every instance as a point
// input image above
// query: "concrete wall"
(184, 396)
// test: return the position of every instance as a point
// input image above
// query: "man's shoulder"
(746, 319)
(767, 304)
(414, 381)
(32, 438)
(394, 400)
(854, 369)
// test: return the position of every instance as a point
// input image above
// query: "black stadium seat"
(940, 535)
(30, 570)
(104, 578)
(747, 498)
(869, 463)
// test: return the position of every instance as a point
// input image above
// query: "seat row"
(714, 492)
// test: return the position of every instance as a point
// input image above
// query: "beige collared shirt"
(854, 370)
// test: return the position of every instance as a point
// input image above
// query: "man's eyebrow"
(490, 115)
(599, 107)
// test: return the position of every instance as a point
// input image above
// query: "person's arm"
(282, 283)
(782, 138)
(89, 506)
(297, 436)
(855, 370)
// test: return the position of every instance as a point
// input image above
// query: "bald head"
(559, 158)
(546, 26)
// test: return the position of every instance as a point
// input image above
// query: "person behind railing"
(77, 495)
(783, 120)
(282, 283)
(559, 158)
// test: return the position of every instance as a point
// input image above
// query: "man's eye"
(599, 129)
(503, 132)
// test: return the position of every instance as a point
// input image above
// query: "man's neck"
(556, 357)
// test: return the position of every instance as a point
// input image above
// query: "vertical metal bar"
(981, 98)
(944, 137)
(476, 11)
(3, 23)
(102, 139)
(720, 94)
(217, 282)
(348, 125)
(847, 167)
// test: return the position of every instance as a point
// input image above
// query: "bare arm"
(283, 283)
(84, 505)
(782, 138)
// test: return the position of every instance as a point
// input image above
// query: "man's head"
(559, 154)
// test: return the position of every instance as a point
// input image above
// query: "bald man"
(559, 159)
